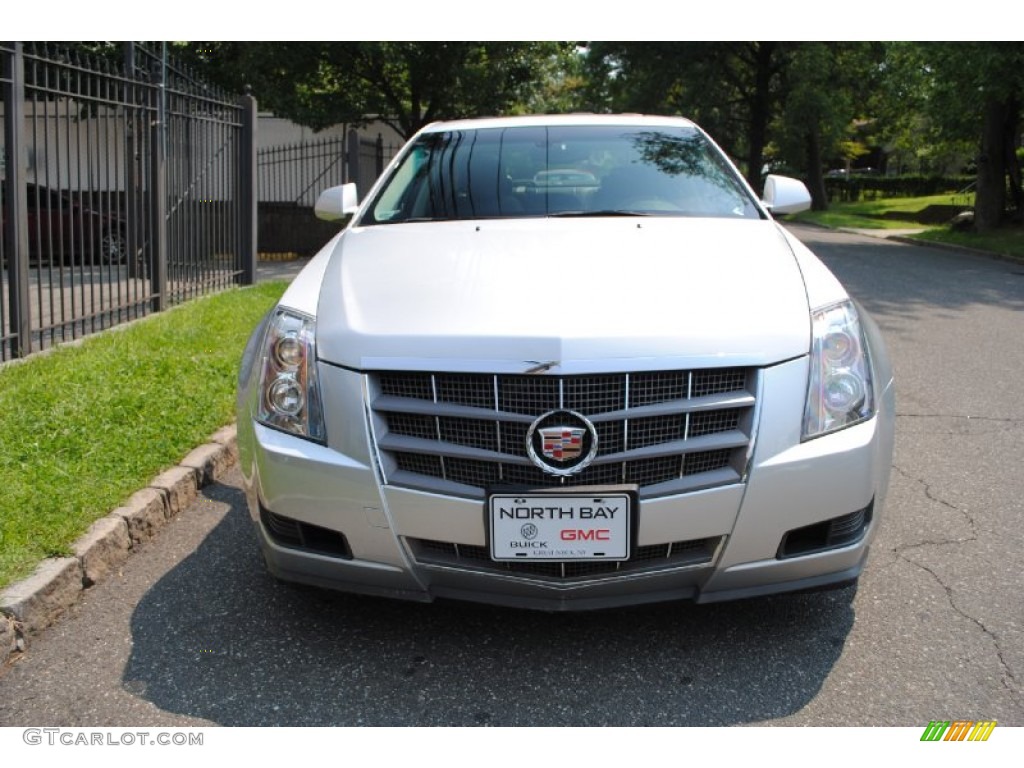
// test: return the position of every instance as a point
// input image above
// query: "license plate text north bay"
(560, 527)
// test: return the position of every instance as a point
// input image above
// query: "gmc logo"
(580, 534)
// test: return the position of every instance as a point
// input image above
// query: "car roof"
(553, 120)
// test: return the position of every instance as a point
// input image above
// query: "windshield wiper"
(607, 212)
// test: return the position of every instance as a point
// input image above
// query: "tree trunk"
(991, 194)
(1011, 140)
(760, 113)
(815, 178)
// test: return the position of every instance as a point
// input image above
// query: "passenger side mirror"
(785, 195)
(336, 203)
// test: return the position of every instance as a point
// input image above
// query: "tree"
(731, 89)
(405, 84)
(986, 82)
(976, 91)
(822, 86)
(560, 85)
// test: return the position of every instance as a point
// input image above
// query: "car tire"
(113, 247)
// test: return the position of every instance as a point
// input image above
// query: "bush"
(856, 187)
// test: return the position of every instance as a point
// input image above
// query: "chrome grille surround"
(666, 431)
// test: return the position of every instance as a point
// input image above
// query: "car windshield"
(529, 171)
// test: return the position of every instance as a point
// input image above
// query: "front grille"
(665, 431)
(676, 554)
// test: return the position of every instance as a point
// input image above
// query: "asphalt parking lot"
(194, 632)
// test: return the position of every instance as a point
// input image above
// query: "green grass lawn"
(84, 427)
(837, 219)
(865, 215)
(1008, 241)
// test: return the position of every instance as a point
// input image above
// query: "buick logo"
(529, 531)
(561, 442)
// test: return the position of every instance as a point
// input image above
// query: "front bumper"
(730, 541)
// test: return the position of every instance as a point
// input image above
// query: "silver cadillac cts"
(565, 363)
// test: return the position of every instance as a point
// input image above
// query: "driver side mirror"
(336, 203)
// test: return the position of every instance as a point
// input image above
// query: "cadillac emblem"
(562, 442)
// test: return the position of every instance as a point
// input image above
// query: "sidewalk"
(884, 234)
(280, 269)
(35, 603)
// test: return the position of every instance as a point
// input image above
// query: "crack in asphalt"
(1008, 676)
(932, 497)
(901, 553)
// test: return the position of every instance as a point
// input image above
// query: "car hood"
(569, 294)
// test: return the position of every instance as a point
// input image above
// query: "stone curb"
(31, 605)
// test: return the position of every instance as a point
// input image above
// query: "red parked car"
(72, 227)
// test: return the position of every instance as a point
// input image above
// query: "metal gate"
(292, 176)
(128, 186)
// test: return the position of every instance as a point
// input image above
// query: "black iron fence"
(298, 173)
(292, 176)
(128, 186)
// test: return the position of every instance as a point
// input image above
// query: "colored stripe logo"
(958, 730)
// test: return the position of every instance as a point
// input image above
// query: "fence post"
(158, 189)
(16, 201)
(133, 172)
(247, 192)
(380, 155)
(352, 156)
(344, 165)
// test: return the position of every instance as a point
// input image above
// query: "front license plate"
(559, 526)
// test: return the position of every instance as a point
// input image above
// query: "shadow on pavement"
(899, 280)
(218, 638)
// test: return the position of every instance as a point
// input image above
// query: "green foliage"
(406, 84)
(963, 77)
(789, 103)
(828, 86)
(935, 108)
(907, 185)
(967, 96)
(85, 426)
(560, 84)
(732, 89)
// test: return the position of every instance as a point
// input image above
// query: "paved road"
(194, 631)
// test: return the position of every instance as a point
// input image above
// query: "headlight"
(839, 390)
(289, 387)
